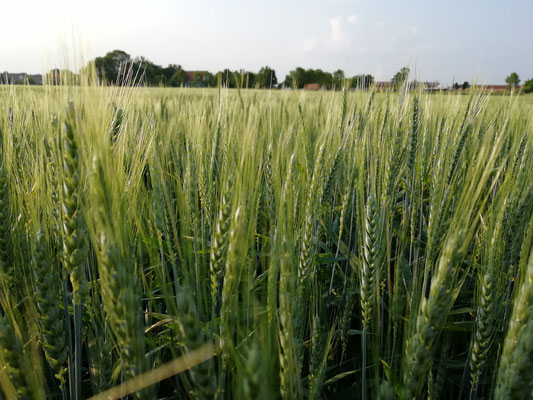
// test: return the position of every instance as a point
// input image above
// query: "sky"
(446, 41)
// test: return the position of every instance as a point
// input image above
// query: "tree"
(296, 78)
(266, 78)
(109, 66)
(153, 74)
(210, 79)
(368, 80)
(58, 76)
(512, 80)
(250, 79)
(179, 78)
(198, 79)
(338, 79)
(400, 77)
(528, 86)
(169, 71)
(362, 81)
(226, 78)
(325, 79)
(243, 79)
(465, 85)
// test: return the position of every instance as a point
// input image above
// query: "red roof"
(312, 86)
(499, 87)
(190, 74)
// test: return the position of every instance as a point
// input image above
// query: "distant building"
(427, 86)
(432, 86)
(11, 79)
(496, 87)
(491, 88)
(21, 78)
(499, 88)
(312, 86)
(384, 85)
(190, 74)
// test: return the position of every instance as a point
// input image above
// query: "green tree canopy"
(152, 74)
(400, 77)
(512, 80)
(169, 71)
(362, 81)
(210, 80)
(266, 78)
(528, 86)
(338, 79)
(179, 78)
(295, 78)
(109, 66)
(299, 77)
(198, 79)
(244, 79)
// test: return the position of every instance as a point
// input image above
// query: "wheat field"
(254, 244)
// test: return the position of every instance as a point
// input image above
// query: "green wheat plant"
(324, 245)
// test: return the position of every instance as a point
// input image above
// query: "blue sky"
(441, 40)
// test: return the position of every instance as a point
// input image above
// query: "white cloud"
(352, 19)
(414, 29)
(337, 37)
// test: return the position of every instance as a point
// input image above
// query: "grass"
(195, 243)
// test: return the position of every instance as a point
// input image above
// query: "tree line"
(117, 66)
(300, 77)
(110, 68)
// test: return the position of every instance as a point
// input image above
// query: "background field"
(320, 244)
